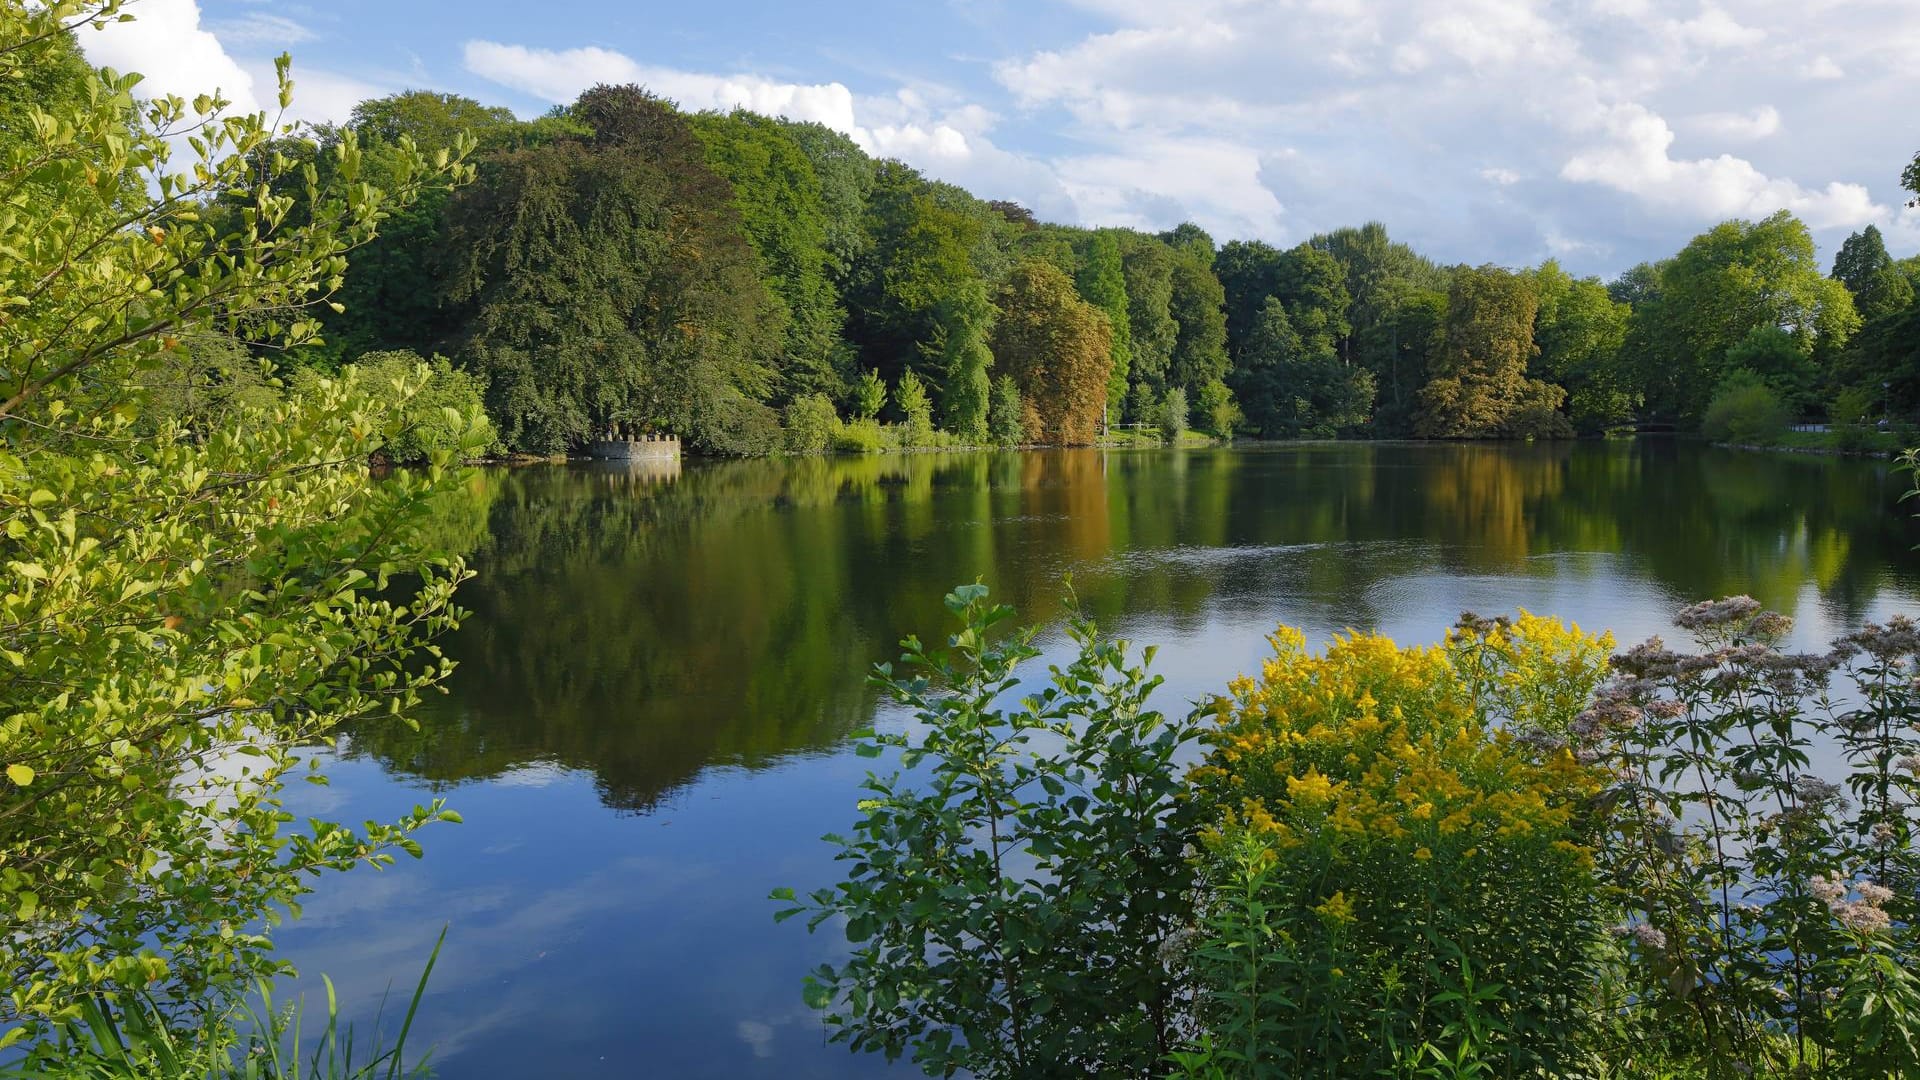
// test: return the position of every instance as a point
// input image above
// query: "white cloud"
(259, 29)
(1634, 158)
(1747, 126)
(1822, 67)
(166, 44)
(1503, 177)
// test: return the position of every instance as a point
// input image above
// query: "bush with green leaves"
(445, 414)
(1221, 411)
(812, 424)
(1172, 416)
(1745, 411)
(1012, 895)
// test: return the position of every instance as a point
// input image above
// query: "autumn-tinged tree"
(604, 281)
(1057, 347)
(1480, 388)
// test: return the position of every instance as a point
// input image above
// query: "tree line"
(748, 282)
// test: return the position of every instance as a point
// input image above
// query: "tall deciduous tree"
(1726, 282)
(1057, 347)
(1288, 387)
(1198, 308)
(783, 212)
(1580, 330)
(1102, 280)
(1148, 268)
(1479, 387)
(605, 282)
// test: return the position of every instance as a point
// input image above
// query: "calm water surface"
(648, 728)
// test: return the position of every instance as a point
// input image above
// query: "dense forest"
(757, 284)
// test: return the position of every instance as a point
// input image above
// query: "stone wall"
(642, 448)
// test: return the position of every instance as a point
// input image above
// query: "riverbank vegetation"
(620, 264)
(1515, 853)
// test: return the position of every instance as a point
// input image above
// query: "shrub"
(1218, 406)
(428, 427)
(1004, 413)
(812, 424)
(1852, 429)
(867, 436)
(1173, 414)
(1011, 904)
(1388, 870)
(741, 427)
(1744, 410)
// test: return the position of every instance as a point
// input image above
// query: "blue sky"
(1598, 132)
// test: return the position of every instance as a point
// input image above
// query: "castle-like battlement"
(637, 448)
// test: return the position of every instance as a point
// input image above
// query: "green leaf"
(21, 775)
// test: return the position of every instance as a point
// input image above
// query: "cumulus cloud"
(1635, 159)
(167, 45)
(1392, 109)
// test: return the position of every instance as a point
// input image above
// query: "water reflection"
(648, 726)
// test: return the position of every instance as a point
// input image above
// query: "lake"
(648, 730)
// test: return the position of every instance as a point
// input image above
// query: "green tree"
(1223, 414)
(1197, 305)
(1580, 330)
(604, 282)
(1102, 281)
(916, 408)
(869, 395)
(1773, 355)
(1005, 412)
(1290, 388)
(1727, 281)
(964, 320)
(845, 176)
(1479, 386)
(783, 213)
(1058, 349)
(1192, 241)
(1249, 273)
(917, 273)
(1148, 268)
(179, 599)
(1878, 286)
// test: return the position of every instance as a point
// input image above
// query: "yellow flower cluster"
(1371, 750)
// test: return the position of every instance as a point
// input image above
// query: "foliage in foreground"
(130, 1036)
(1011, 895)
(192, 595)
(1508, 855)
